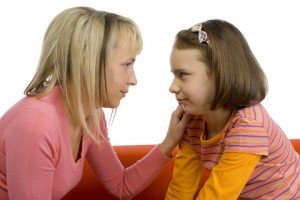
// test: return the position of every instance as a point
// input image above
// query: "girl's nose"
(174, 88)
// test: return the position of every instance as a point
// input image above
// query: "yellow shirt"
(251, 158)
(226, 180)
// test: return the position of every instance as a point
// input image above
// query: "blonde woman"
(86, 64)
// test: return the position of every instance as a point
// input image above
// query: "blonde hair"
(239, 79)
(76, 48)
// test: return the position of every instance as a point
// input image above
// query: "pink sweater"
(36, 160)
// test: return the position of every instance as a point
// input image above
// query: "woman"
(86, 64)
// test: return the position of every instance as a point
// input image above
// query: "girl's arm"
(228, 178)
(186, 175)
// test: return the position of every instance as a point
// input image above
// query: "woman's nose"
(132, 79)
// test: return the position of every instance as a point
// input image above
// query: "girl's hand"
(177, 126)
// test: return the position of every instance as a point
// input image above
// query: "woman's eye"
(127, 65)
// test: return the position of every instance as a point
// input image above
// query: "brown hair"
(239, 79)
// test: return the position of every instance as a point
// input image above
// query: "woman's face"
(191, 84)
(120, 73)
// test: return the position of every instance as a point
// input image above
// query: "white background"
(272, 29)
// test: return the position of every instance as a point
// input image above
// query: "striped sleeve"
(247, 136)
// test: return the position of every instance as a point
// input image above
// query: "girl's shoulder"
(253, 113)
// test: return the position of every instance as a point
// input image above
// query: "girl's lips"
(180, 101)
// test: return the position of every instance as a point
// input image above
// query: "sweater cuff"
(159, 154)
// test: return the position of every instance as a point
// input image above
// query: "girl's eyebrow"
(178, 70)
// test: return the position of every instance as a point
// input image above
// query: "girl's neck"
(216, 121)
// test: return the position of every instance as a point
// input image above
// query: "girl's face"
(191, 85)
(120, 73)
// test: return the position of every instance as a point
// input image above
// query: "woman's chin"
(111, 105)
(114, 104)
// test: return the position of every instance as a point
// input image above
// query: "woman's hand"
(177, 126)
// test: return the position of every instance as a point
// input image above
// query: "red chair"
(90, 188)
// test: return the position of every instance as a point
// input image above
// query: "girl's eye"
(182, 75)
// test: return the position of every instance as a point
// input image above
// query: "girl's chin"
(189, 111)
(184, 108)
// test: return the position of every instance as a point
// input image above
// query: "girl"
(218, 79)
(86, 64)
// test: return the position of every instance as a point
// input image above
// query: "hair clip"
(202, 35)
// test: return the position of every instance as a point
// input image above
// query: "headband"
(202, 35)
